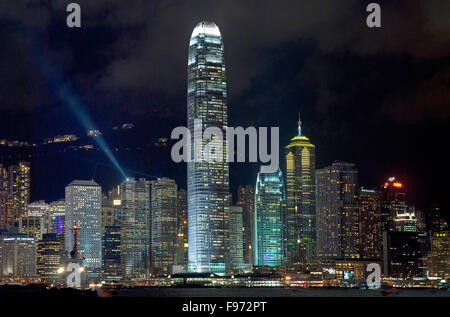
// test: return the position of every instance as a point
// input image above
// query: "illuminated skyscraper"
(439, 255)
(402, 244)
(6, 210)
(182, 238)
(111, 250)
(270, 207)
(83, 209)
(16, 181)
(19, 187)
(49, 255)
(164, 221)
(246, 199)
(57, 217)
(370, 224)
(236, 237)
(393, 202)
(135, 227)
(337, 211)
(301, 199)
(208, 182)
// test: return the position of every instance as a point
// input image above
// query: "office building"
(49, 257)
(17, 256)
(83, 210)
(370, 224)
(236, 237)
(246, 199)
(164, 224)
(269, 218)
(208, 182)
(337, 211)
(301, 199)
(135, 227)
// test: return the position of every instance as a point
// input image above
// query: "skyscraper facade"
(164, 221)
(439, 255)
(370, 224)
(17, 256)
(6, 210)
(270, 207)
(19, 187)
(111, 249)
(135, 227)
(182, 239)
(15, 180)
(208, 182)
(83, 209)
(301, 199)
(57, 217)
(393, 202)
(236, 237)
(246, 199)
(337, 211)
(49, 255)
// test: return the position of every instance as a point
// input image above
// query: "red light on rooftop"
(386, 184)
(398, 185)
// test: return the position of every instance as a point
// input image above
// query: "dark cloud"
(128, 62)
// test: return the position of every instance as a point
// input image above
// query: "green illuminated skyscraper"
(269, 231)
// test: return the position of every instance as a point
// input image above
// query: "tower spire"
(299, 123)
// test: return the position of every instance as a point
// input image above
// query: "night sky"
(379, 98)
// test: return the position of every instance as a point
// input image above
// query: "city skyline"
(92, 195)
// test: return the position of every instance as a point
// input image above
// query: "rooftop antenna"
(299, 123)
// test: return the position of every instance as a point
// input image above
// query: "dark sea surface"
(271, 292)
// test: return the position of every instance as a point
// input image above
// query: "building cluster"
(305, 224)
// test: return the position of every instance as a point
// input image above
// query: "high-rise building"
(402, 244)
(107, 213)
(57, 217)
(404, 255)
(370, 224)
(208, 182)
(246, 199)
(17, 256)
(337, 211)
(393, 202)
(181, 257)
(301, 199)
(135, 227)
(269, 240)
(164, 221)
(83, 210)
(6, 210)
(111, 249)
(439, 255)
(49, 256)
(236, 237)
(19, 187)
